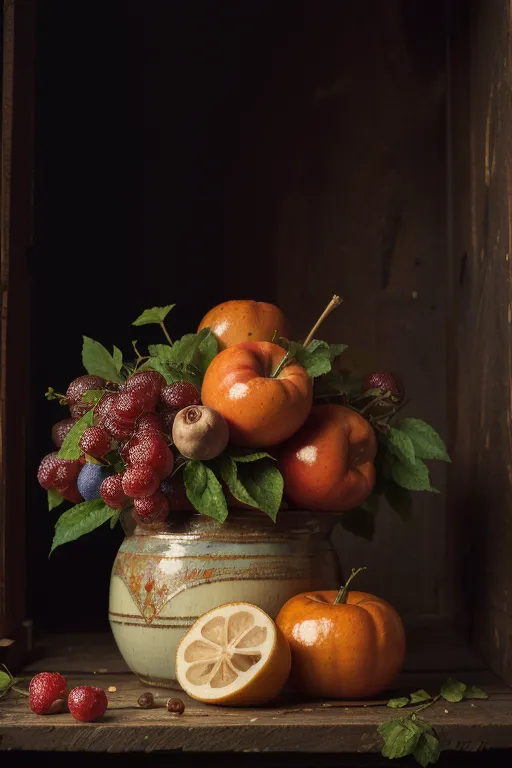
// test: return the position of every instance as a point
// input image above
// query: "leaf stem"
(377, 399)
(342, 595)
(334, 302)
(285, 360)
(19, 690)
(164, 329)
(424, 706)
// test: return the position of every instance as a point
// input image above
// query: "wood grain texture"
(15, 226)
(341, 185)
(482, 296)
(290, 725)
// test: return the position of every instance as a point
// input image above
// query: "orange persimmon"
(244, 320)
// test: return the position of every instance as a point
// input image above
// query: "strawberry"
(179, 395)
(87, 703)
(47, 692)
(386, 382)
(60, 430)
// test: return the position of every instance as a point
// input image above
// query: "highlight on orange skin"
(261, 411)
(328, 464)
(350, 650)
(234, 322)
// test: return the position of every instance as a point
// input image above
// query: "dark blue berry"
(90, 479)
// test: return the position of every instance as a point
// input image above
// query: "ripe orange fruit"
(260, 410)
(350, 650)
(328, 464)
(234, 655)
(244, 320)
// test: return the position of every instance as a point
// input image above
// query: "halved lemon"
(234, 655)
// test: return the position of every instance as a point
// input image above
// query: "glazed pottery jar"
(163, 580)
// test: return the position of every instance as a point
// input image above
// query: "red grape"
(102, 408)
(180, 394)
(96, 442)
(80, 385)
(118, 430)
(148, 422)
(111, 491)
(139, 481)
(67, 472)
(71, 493)
(127, 407)
(60, 430)
(154, 509)
(48, 470)
(147, 386)
(150, 448)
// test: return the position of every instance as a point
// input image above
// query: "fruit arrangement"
(235, 415)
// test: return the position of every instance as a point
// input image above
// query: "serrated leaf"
(453, 690)
(5, 681)
(70, 448)
(360, 522)
(315, 358)
(249, 457)
(115, 517)
(413, 478)
(428, 749)
(197, 349)
(426, 441)
(399, 499)
(163, 351)
(420, 695)
(54, 499)
(118, 359)
(79, 520)
(335, 350)
(264, 483)
(98, 361)
(403, 701)
(154, 315)
(93, 395)
(400, 738)
(172, 371)
(474, 692)
(401, 446)
(229, 473)
(204, 490)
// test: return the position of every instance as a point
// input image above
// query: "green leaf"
(315, 358)
(401, 446)
(204, 490)
(264, 483)
(474, 692)
(335, 350)
(115, 517)
(98, 361)
(428, 749)
(54, 498)
(419, 696)
(229, 473)
(413, 478)
(70, 448)
(249, 457)
(197, 349)
(426, 441)
(5, 681)
(329, 384)
(93, 395)
(163, 351)
(403, 701)
(118, 359)
(115, 460)
(453, 690)
(155, 315)
(400, 738)
(399, 499)
(360, 522)
(172, 371)
(80, 519)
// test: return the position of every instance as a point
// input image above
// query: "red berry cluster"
(137, 419)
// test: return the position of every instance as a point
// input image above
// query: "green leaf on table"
(453, 690)
(426, 441)
(99, 362)
(155, 315)
(474, 692)
(428, 748)
(204, 490)
(403, 701)
(420, 696)
(400, 737)
(80, 519)
(414, 478)
(93, 395)
(54, 498)
(70, 448)
(399, 499)
(257, 483)
(360, 522)
(118, 358)
(401, 446)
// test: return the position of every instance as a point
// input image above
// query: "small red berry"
(77, 410)
(148, 422)
(111, 491)
(47, 470)
(147, 386)
(87, 703)
(127, 407)
(179, 395)
(96, 442)
(60, 430)
(103, 406)
(386, 382)
(140, 481)
(45, 690)
(167, 417)
(71, 493)
(151, 448)
(154, 509)
(174, 489)
(80, 385)
(118, 429)
(67, 472)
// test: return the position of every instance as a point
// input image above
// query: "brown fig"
(200, 433)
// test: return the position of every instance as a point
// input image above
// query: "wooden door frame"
(16, 180)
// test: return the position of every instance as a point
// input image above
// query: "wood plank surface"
(290, 725)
